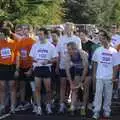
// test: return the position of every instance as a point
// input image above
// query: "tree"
(76, 11)
(104, 12)
(36, 12)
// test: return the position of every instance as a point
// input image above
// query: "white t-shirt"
(115, 40)
(62, 47)
(117, 60)
(42, 52)
(106, 60)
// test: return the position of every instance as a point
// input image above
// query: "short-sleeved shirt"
(62, 47)
(8, 52)
(115, 40)
(41, 52)
(24, 46)
(106, 60)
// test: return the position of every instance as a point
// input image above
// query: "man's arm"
(85, 64)
(94, 70)
(17, 66)
(67, 68)
(115, 70)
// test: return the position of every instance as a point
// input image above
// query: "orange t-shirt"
(8, 52)
(24, 47)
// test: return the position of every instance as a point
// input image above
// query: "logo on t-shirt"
(42, 54)
(23, 53)
(106, 59)
(5, 52)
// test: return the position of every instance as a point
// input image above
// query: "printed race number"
(5, 52)
(23, 53)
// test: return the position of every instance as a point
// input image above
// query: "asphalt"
(28, 115)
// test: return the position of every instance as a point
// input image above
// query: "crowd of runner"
(67, 67)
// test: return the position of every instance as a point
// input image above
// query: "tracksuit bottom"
(104, 89)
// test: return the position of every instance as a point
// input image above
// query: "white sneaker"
(62, 108)
(12, 110)
(96, 116)
(39, 111)
(34, 109)
(48, 109)
(19, 107)
(106, 114)
(26, 106)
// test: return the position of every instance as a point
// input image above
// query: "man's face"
(54, 37)
(114, 29)
(69, 28)
(71, 50)
(103, 39)
(26, 31)
(82, 36)
(41, 35)
(19, 31)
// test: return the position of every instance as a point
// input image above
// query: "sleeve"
(80, 44)
(58, 47)
(95, 56)
(54, 52)
(32, 52)
(116, 59)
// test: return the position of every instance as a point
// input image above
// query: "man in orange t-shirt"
(8, 68)
(24, 45)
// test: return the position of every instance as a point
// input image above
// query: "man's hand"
(79, 86)
(45, 62)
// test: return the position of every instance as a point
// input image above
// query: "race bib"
(106, 59)
(23, 53)
(5, 52)
(42, 54)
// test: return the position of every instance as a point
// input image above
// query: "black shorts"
(75, 72)
(62, 73)
(42, 72)
(23, 77)
(7, 72)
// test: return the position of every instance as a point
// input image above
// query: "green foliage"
(35, 12)
(41, 12)
(76, 11)
(103, 12)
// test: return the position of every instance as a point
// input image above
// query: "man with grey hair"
(62, 50)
